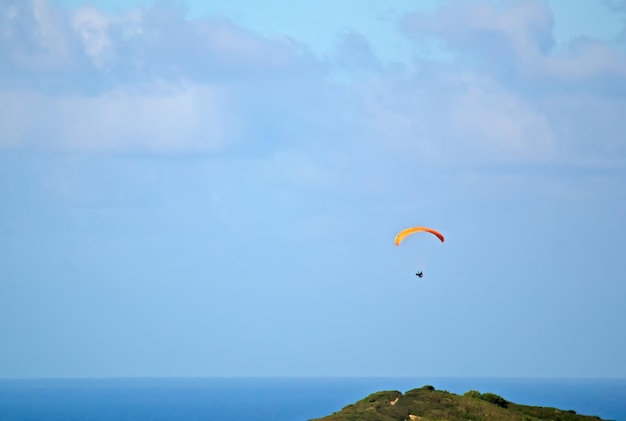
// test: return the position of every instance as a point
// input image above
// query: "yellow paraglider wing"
(406, 232)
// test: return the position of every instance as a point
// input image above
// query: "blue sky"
(198, 189)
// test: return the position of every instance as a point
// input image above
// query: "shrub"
(472, 394)
(494, 399)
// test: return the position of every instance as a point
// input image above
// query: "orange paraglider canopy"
(406, 232)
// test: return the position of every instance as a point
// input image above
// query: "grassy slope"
(426, 404)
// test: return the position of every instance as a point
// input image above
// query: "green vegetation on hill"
(428, 404)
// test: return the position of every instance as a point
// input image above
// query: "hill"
(428, 404)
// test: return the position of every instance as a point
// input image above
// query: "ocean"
(274, 399)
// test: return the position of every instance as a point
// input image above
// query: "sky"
(200, 189)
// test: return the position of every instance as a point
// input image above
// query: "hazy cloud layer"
(154, 80)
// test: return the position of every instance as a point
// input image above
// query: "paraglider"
(408, 231)
(412, 230)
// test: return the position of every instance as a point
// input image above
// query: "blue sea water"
(274, 399)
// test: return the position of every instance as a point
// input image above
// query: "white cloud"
(514, 37)
(145, 80)
(584, 61)
(35, 40)
(510, 28)
(153, 80)
(500, 122)
(93, 28)
(506, 93)
(166, 118)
